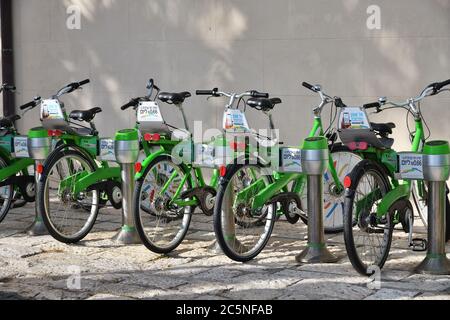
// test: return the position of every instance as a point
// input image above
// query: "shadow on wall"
(240, 45)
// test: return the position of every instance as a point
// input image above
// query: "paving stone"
(40, 267)
(391, 294)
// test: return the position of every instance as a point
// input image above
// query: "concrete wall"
(235, 45)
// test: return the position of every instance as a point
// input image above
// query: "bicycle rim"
(70, 216)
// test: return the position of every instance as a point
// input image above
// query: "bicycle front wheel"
(69, 217)
(6, 195)
(161, 220)
(334, 197)
(367, 236)
(242, 232)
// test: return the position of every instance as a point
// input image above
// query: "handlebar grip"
(132, 103)
(256, 94)
(441, 85)
(204, 92)
(339, 103)
(84, 82)
(31, 104)
(308, 86)
(374, 105)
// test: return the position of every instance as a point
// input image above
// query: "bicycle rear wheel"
(68, 217)
(367, 237)
(241, 232)
(333, 199)
(161, 223)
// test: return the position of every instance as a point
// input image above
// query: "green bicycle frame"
(282, 180)
(402, 190)
(194, 175)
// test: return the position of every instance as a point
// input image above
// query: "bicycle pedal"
(419, 245)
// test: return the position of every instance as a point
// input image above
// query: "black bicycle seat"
(383, 128)
(85, 115)
(174, 98)
(263, 104)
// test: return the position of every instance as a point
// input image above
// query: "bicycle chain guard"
(203, 196)
(109, 187)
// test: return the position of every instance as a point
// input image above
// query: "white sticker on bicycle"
(354, 118)
(51, 110)
(235, 120)
(107, 150)
(21, 147)
(291, 160)
(148, 111)
(411, 166)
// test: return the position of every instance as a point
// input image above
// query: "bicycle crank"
(291, 206)
(205, 196)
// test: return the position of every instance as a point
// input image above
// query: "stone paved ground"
(40, 267)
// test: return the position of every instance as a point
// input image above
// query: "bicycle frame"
(401, 190)
(282, 180)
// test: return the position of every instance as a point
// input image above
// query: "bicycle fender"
(403, 191)
(147, 162)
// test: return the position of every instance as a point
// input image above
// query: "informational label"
(21, 147)
(354, 118)
(51, 110)
(107, 150)
(291, 160)
(235, 121)
(410, 166)
(148, 111)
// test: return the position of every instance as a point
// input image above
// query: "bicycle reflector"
(138, 167)
(55, 133)
(39, 168)
(347, 182)
(152, 137)
(223, 171)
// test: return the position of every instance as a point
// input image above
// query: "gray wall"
(235, 45)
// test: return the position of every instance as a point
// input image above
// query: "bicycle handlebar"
(132, 103)
(438, 86)
(31, 104)
(216, 93)
(309, 87)
(71, 87)
(374, 105)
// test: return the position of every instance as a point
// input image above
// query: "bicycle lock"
(126, 150)
(39, 148)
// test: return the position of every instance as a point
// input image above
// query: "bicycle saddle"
(8, 122)
(173, 98)
(383, 128)
(86, 115)
(263, 104)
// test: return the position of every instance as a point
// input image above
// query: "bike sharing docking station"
(314, 160)
(433, 166)
(126, 150)
(39, 148)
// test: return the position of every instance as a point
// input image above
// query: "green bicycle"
(73, 187)
(170, 185)
(17, 186)
(375, 201)
(269, 194)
